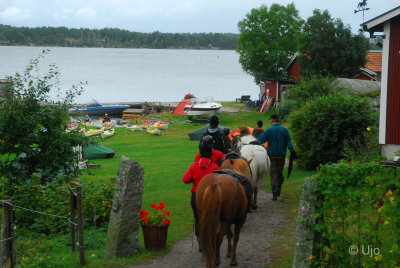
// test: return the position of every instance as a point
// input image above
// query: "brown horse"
(221, 201)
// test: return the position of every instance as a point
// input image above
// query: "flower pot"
(396, 158)
(155, 237)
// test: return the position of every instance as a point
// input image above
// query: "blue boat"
(96, 108)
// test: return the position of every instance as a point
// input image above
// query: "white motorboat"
(204, 109)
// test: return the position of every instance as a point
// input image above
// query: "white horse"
(260, 164)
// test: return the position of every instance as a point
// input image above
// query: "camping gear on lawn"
(180, 109)
(98, 151)
(197, 134)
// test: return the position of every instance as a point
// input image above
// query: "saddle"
(241, 179)
(231, 155)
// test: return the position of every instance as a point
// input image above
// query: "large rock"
(305, 226)
(123, 228)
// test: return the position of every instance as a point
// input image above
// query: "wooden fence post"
(72, 202)
(80, 225)
(7, 258)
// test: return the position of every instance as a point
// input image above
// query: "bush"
(55, 199)
(285, 108)
(313, 87)
(357, 204)
(321, 126)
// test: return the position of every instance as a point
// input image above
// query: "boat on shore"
(204, 109)
(107, 133)
(95, 108)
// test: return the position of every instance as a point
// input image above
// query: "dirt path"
(255, 243)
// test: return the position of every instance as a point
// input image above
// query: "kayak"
(153, 131)
(107, 133)
(94, 132)
(134, 127)
(155, 124)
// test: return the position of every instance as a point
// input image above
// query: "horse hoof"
(254, 207)
(233, 263)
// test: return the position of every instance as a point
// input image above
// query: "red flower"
(371, 145)
(157, 216)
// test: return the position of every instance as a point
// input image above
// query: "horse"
(259, 166)
(221, 201)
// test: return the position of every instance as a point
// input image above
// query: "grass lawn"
(164, 159)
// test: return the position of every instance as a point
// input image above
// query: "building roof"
(360, 86)
(374, 61)
(376, 24)
(294, 57)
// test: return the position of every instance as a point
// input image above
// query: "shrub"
(321, 126)
(357, 205)
(313, 87)
(285, 108)
(55, 199)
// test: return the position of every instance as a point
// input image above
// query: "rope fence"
(8, 252)
(39, 212)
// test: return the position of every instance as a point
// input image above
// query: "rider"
(106, 119)
(195, 173)
(214, 132)
(216, 155)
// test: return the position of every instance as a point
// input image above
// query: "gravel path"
(254, 246)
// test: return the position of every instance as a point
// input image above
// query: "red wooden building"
(389, 118)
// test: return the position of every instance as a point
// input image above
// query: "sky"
(169, 16)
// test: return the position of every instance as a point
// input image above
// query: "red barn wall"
(294, 71)
(393, 97)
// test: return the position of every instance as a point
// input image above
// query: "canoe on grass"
(134, 127)
(153, 131)
(94, 132)
(107, 133)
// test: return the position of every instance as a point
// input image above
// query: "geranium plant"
(189, 96)
(158, 216)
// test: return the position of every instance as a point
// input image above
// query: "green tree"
(267, 40)
(34, 143)
(328, 47)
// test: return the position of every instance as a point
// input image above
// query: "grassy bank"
(164, 159)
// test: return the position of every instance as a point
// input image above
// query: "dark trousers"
(276, 171)
(196, 217)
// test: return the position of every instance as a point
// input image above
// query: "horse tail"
(209, 221)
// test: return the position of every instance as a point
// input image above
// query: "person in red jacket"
(201, 167)
(215, 155)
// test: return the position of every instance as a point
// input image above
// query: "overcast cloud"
(174, 16)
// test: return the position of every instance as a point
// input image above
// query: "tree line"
(113, 37)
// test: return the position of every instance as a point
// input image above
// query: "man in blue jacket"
(278, 138)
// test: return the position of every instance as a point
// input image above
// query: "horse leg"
(254, 205)
(229, 237)
(220, 236)
(238, 227)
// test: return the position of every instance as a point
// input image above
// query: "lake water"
(137, 75)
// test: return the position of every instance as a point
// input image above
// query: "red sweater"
(215, 157)
(197, 171)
